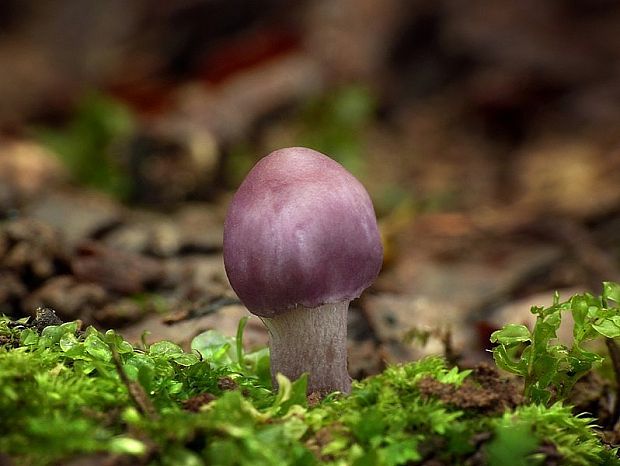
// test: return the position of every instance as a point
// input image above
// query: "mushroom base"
(312, 340)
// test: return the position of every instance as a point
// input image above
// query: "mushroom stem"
(312, 340)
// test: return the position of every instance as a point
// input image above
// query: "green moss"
(66, 393)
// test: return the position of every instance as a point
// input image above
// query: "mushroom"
(300, 242)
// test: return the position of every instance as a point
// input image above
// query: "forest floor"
(493, 172)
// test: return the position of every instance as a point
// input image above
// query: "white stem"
(312, 340)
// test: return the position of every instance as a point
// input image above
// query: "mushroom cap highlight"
(300, 231)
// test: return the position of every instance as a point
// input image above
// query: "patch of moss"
(67, 393)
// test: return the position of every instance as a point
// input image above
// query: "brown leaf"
(115, 270)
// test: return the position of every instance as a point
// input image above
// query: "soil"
(195, 403)
(485, 391)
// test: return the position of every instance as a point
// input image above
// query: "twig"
(136, 391)
(448, 347)
(600, 268)
(595, 260)
(614, 354)
(211, 307)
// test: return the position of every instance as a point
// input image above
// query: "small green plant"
(86, 145)
(551, 369)
(334, 124)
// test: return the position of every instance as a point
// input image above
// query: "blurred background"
(486, 131)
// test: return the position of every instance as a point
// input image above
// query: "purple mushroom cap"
(300, 231)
